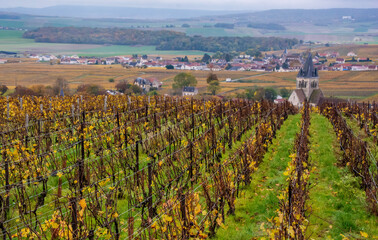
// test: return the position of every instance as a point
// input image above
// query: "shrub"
(90, 89)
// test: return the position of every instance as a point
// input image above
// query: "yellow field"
(344, 84)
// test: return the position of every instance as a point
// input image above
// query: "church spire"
(308, 70)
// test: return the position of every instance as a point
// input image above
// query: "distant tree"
(218, 55)
(206, 58)
(228, 67)
(225, 25)
(257, 54)
(184, 80)
(111, 80)
(41, 90)
(269, 26)
(254, 52)
(144, 56)
(3, 89)
(327, 45)
(228, 57)
(60, 84)
(152, 93)
(90, 89)
(211, 77)
(122, 86)
(278, 67)
(284, 92)
(135, 55)
(285, 65)
(136, 89)
(170, 66)
(22, 91)
(259, 93)
(214, 87)
(185, 59)
(270, 94)
(185, 25)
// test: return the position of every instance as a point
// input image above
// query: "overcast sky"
(201, 4)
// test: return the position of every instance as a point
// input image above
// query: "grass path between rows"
(337, 202)
(259, 201)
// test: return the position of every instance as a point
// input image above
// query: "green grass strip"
(258, 202)
(337, 203)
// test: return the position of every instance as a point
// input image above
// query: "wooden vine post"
(74, 223)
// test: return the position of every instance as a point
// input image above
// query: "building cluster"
(287, 62)
(329, 61)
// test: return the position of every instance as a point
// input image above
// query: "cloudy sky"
(201, 4)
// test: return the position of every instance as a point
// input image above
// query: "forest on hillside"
(162, 39)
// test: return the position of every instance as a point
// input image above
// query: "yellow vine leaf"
(82, 203)
(364, 234)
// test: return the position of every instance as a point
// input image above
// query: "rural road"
(237, 79)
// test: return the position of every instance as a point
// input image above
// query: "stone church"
(307, 85)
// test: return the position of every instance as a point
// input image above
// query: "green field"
(114, 50)
(11, 40)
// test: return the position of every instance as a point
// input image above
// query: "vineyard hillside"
(158, 167)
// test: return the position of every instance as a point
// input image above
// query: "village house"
(82, 61)
(351, 54)
(307, 85)
(340, 60)
(359, 68)
(279, 100)
(345, 67)
(35, 56)
(69, 61)
(293, 57)
(334, 55)
(244, 56)
(155, 83)
(215, 68)
(143, 83)
(324, 55)
(110, 61)
(46, 58)
(92, 61)
(189, 91)
(237, 68)
(372, 67)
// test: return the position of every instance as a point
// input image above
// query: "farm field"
(370, 51)
(354, 85)
(11, 40)
(138, 167)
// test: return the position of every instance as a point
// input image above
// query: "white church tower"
(307, 85)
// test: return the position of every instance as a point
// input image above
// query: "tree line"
(88, 35)
(162, 39)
